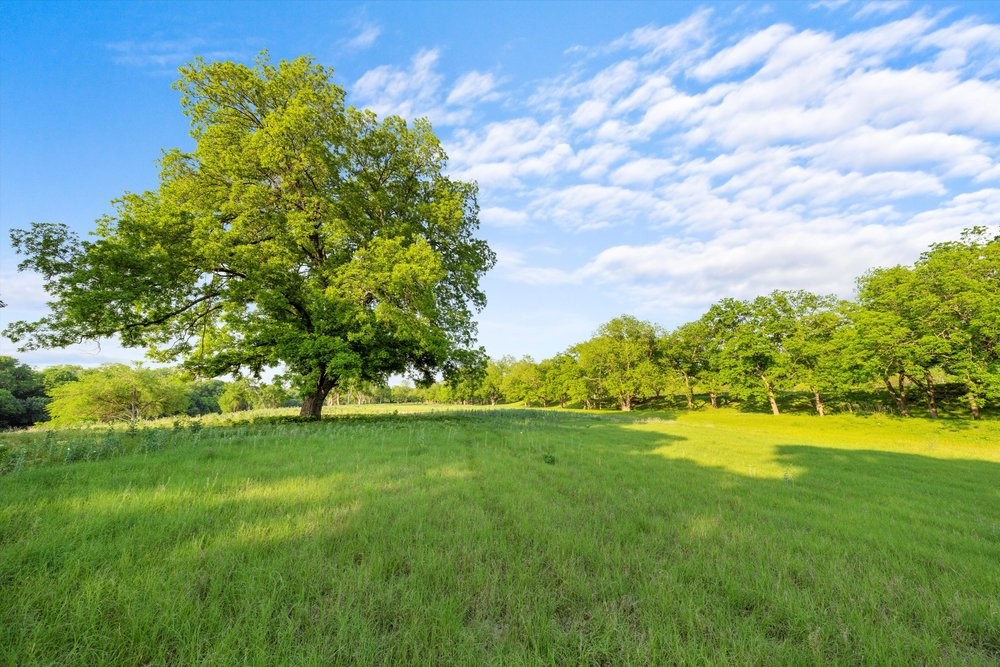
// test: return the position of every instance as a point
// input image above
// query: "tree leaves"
(298, 230)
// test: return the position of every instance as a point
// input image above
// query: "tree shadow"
(505, 536)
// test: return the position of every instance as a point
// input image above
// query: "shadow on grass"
(504, 536)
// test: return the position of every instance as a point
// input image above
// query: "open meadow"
(504, 537)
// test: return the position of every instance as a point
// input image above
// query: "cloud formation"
(785, 157)
(715, 156)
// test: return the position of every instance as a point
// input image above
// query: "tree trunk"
(690, 392)
(312, 403)
(770, 395)
(820, 410)
(973, 405)
(929, 391)
(625, 404)
(898, 395)
(714, 398)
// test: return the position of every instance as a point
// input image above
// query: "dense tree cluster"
(70, 394)
(913, 333)
(22, 394)
(910, 331)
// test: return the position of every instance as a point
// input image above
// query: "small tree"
(58, 375)
(237, 396)
(22, 394)
(117, 392)
(203, 396)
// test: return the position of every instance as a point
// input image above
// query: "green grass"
(509, 537)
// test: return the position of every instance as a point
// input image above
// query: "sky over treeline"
(643, 158)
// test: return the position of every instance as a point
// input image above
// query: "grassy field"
(505, 537)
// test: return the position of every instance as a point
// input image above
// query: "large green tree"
(299, 230)
(761, 342)
(939, 317)
(624, 355)
(958, 302)
(895, 339)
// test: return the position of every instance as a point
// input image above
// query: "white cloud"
(368, 34)
(166, 55)
(594, 161)
(644, 171)
(786, 158)
(869, 149)
(499, 216)
(514, 138)
(681, 42)
(592, 206)
(747, 52)
(829, 5)
(589, 113)
(880, 7)
(408, 92)
(472, 87)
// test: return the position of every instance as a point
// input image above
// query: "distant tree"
(957, 300)
(555, 380)
(814, 322)
(204, 395)
(624, 356)
(404, 393)
(753, 336)
(270, 396)
(684, 352)
(567, 380)
(524, 383)
(494, 380)
(895, 341)
(58, 375)
(117, 392)
(237, 396)
(22, 394)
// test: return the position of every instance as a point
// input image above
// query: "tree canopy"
(117, 392)
(299, 230)
(22, 394)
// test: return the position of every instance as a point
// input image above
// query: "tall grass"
(509, 537)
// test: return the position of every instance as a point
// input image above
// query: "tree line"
(920, 332)
(912, 333)
(70, 394)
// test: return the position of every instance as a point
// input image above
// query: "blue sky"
(646, 158)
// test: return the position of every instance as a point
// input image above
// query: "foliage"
(624, 357)
(116, 392)
(22, 394)
(237, 396)
(203, 397)
(494, 384)
(59, 374)
(941, 314)
(298, 231)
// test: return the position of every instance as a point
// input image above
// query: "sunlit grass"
(510, 537)
(751, 444)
